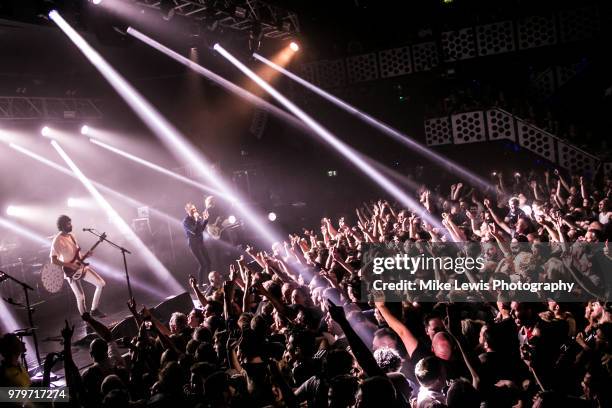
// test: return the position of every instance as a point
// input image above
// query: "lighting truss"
(34, 108)
(238, 15)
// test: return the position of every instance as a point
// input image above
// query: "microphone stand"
(123, 252)
(28, 307)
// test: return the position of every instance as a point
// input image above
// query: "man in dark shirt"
(194, 225)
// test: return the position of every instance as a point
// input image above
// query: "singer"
(66, 253)
(194, 224)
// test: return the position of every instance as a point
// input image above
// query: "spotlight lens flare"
(294, 46)
(231, 219)
(45, 131)
(96, 2)
(12, 211)
(85, 130)
(272, 216)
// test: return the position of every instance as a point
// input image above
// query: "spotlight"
(272, 216)
(85, 130)
(294, 46)
(231, 219)
(96, 2)
(45, 131)
(167, 9)
(12, 210)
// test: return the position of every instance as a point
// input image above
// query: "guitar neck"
(95, 245)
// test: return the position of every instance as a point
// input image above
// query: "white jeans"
(92, 277)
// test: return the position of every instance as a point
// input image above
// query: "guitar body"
(75, 274)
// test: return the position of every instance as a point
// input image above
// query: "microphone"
(88, 229)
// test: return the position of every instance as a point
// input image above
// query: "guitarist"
(65, 252)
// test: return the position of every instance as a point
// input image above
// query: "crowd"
(298, 326)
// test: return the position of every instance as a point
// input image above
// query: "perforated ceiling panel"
(544, 84)
(496, 38)
(438, 131)
(468, 127)
(395, 62)
(362, 68)
(536, 140)
(500, 125)
(566, 72)
(574, 160)
(536, 31)
(425, 56)
(331, 73)
(309, 73)
(458, 45)
(579, 24)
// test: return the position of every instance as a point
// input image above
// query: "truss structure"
(239, 15)
(65, 109)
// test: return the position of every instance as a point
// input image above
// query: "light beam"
(332, 140)
(394, 133)
(149, 258)
(163, 129)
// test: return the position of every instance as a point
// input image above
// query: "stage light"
(272, 216)
(231, 219)
(149, 258)
(45, 131)
(166, 7)
(224, 83)
(400, 137)
(85, 130)
(342, 148)
(96, 2)
(172, 138)
(294, 46)
(73, 202)
(14, 211)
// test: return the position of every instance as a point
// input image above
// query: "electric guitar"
(76, 274)
(216, 229)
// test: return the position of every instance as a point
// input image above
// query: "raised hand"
(232, 274)
(378, 296)
(469, 214)
(67, 332)
(487, 203)
(192, 282)
(131, 304)
(336, 312)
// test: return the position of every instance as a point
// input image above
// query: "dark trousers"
(199, 252)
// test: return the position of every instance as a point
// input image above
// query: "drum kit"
(35, 269)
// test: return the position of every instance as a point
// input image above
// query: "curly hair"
(388, 359)
(62, 220)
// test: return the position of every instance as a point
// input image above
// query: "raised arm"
(409, 340)
(193, 283)
(497, 220)
(363, 355)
